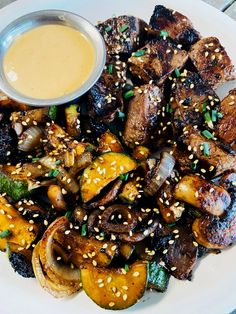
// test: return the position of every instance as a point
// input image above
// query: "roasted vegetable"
(108, 142)
(208, 197)
(31, 117)
(130, 191)
(114, 288)
(72, 120)
(102, 171)
(16, 182)
(56, 197)
(126, 250)
(15, 231)
(30, 139)
(158, 277)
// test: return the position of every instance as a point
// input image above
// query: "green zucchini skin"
(158, 277)
(16, 189)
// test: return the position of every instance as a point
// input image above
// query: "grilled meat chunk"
(181, 255)
(226, 129)
(123, 34)
(142, 115)
(189, 93)
(105, 97)
(212, 61)
(178, 26)
(208, 197)
(21, 265)
(215, 232)
(159, 59)
(8, 142)
(216, 159)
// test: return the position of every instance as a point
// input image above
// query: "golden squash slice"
(115, 289)
(14, 230)
(102, 171)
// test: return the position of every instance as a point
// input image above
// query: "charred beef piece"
(21, 265)
(8, 142)
(212, 61)
(191, 99)
(123, 34)
(181, 254)
(142, 115)
(159, 60)
(105, 97)
(216, 161)
(226, 128)
(178, 26)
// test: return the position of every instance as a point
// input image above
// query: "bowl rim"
(63, 16)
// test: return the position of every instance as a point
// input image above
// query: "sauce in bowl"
(49, 61)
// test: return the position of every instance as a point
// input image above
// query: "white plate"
(212, 290)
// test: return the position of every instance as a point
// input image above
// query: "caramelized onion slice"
(122, 227)
(30, 139)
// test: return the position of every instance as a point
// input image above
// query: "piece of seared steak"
(226, 128)
(212, 61)
(177, 25)
(142, 115)
(123, 34)
(156, 61)
(105, 97)
(191, 99)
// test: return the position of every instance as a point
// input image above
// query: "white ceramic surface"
(212, 290)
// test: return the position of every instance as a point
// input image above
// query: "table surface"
(227, 6)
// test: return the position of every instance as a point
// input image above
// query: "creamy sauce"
(49, 61)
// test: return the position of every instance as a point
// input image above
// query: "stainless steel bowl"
(38, 18)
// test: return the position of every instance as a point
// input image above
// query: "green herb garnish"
(84, 230)
(53, 173)
(5, 233)
(68, 214)
(208, 120)
(139, 53)
(35, 159)
(126, 268)
(204, 107)
(207, 134)
(164, 34)
(129, 94)
(123, 28)
(124, 177)
(220, 115)
(214, 115)
(177, 72)
(206, 151)
(89, 148)
(108, 29)
(110, 68)
(52, 112)
(193, 166)
(58, 162)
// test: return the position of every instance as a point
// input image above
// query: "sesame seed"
(173, 268)
(125, 297)
(101, 285)
(124, 288)
(109, 279)
(171, 242)
(165, 251)
(136, 274)
(195, 243)
(67, 232)
(111, 304)
(94, 263)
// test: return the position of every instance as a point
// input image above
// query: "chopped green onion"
(208, 120)
(196, 213)
(207, 134)
(214, 115)
(139, 53)
(89, 148)
(126, 268)
(53, 172)
(193, 166)
(128, 87)
(5, 233)
(129, 94)
(164, 33)
(177, 72)
(84, 230)
(124, 177)
(206, 151)
(108, 29)
(171, 225)
(68, 214)
(58, 162)
(168, 108)
(123, 28)
(121, 115)
(220, 115)
(52, 112)
(35, 159)
(110, 68)
(102, 234)
(204, 107)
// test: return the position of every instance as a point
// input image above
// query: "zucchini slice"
(102, 171)
(158, 277)
(115, 289)
(109, 143)
(14, 230)
(15, 183)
